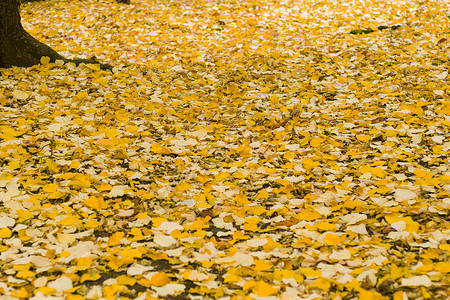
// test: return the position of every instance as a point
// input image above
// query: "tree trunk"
(18, 47)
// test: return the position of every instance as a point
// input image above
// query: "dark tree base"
(22, 50)
(19, 48)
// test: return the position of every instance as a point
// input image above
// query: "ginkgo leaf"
(45, 60)
(169, 289)
(63, 283)
(402, 194)
(422, 280)
(164, 241)
(239, 150)
(20, 95)
(6, 221)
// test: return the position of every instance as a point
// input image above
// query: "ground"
(239, 150)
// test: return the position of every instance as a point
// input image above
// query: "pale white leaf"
(255, 144)
(137, 269)
(257, 242)
(168, 227)
(342, 254)
(353, 218)
(243, 259)
(20, 95)
(169, 289)
(438, 139)
(399, 226)
(360, 229)
(292, 147)
(195, 275)
(6, 221)
(402, 195)
(117, 191)
(421, 280)
(61, 284)
(200, 134)
(164, 241)
(55, 127)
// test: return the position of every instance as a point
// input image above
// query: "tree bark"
(18, 47)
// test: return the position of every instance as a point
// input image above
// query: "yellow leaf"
(378, 172)
(13, 165)
(367, 84)
(156, 148)
(110, 95)
(45, 60)
(96, 67)
(157, 221)
(342, 80)
(131, 253)
(362, 137)
(264, 289)
(5, 232)
(396, 272)
(399, 295)
(262, 265)
(183, 186)
(443, 267)
(68, 221)
(241, 200)
(22, 293)
(282, 181)
(322, 283)
(160, 279)
(445, 247)
(75, 297)
(126, 280)
(47, 291)
(221, 176)
(309, 164)
(24, 215)
(115, 239)
(52, 166)
(414, 109)
(239, 175)
(111, 133)
(308, 215)
(325, 226)
(310, 272)
(50, 188)
(332, 239)
(232, 278)
(262, 194)
(411, 225)
(8, 131)
(132, 128)
(92, 224)
(249, 285)
(425, 293)
(75, 164)
(89, 277)
(368, 295)
(280, 274)
(104, 187)
(84, 262)
(316, 142)
(95, 202)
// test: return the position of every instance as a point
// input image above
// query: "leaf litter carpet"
(240, 150)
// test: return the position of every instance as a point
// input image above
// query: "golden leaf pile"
(241, 150)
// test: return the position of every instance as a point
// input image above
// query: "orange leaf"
(264, 289)
(160, 279)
